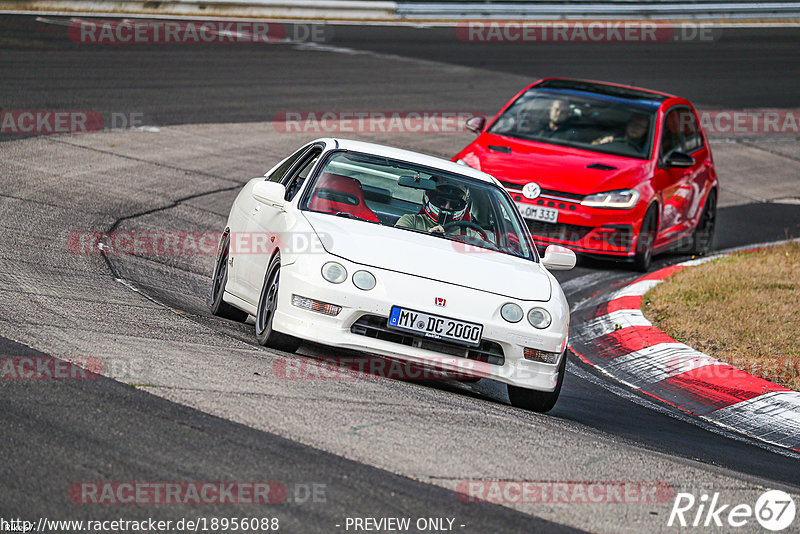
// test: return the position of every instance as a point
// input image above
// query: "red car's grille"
(616, 237)
(574, 197)
(561, 232)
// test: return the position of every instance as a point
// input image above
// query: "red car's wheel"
(704, 233)
(644, 244)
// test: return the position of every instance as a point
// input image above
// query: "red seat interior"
(334, 193)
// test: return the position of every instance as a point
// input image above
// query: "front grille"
(375, 327)
(574, 197)
(561, 232)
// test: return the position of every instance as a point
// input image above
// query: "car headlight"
(363, 280)
(511, 312)
(622, 199)
(333, 272)
(539, 318)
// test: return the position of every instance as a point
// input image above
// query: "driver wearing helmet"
(446, 204)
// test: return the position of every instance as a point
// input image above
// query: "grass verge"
(743, 309)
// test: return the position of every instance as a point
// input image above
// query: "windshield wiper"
(351, 216)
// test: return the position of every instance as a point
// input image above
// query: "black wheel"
(644, 244)
(538, 401)
(218, 306)
(704, 233)
(267, 304)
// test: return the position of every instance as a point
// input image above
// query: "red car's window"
(591, 122)
(680, 132)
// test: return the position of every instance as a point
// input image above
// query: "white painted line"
(606, 324)
(656, 363)
(774, 417)
(637, 289)
(665, 409)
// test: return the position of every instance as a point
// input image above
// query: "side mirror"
(679, 159)
(270, 193)
(476, 124)
(558, 258)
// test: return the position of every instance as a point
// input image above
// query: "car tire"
(644, 243)
(267, 304)
(704, 233)
(538, 401)
(219, 280)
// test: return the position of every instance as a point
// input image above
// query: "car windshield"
(597, 123)
(415, 198)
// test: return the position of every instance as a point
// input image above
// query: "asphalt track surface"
(56, 433)
(207, 83)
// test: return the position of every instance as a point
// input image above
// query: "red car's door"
(701, 176)
(677, 181)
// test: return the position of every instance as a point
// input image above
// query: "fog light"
(539, 318)
(511, 312)
(333, 272)
(363, 280)
(315, 305)
(541, 356)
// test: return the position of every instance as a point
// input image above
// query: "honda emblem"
(440, 301)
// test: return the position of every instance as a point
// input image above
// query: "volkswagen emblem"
(531, 190)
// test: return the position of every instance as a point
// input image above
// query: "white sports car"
(397, 254)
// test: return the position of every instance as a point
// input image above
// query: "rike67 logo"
(774, 510)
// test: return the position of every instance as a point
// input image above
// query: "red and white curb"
(614, 337)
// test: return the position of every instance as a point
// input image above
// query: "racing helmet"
(447, 203)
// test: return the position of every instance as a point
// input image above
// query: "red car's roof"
(588, 86)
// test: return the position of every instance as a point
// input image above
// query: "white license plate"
(435, 326)
(537, 213)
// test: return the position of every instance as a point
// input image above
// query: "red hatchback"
(603, 169)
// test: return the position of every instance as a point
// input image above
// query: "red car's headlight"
(623, 199)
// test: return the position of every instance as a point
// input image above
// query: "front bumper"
(303, 278)
(608, 232)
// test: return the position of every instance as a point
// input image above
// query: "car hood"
(439, 259)
(553, 167)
